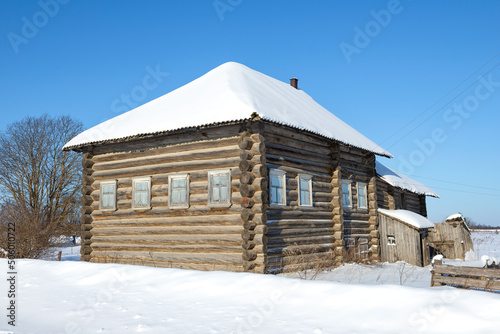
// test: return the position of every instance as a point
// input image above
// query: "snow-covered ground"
(486, 243)
(79, 297)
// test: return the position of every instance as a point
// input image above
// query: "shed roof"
(402, 181)
(408, 217)
(230, 92)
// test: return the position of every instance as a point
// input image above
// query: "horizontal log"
(177, 147)
(260, 170)
(274, 214)
(140, 220)
(188, 258)
(173, 264)
(165, 230)
(304, 223)
(291, 232)
(244, 142)
(319, 176)
(246, 190)
(201, 154)
(112, 247)
(300, 240)
(471, 271)
(282, 132)
(299, 249)
(170, 239)
(467, 282)
(183, 166)
(279, 149)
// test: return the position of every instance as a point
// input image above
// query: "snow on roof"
(456, 216)
(402, 181)
(230, 92)
(409, 217)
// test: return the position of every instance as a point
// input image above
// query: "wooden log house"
(227, 173)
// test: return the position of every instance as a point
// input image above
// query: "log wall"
(249, 235)
(297, 236)
(360, 224)
(389, 198)
(199, 237)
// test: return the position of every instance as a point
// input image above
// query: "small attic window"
(391, 240)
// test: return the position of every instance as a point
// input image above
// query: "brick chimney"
(294, 82)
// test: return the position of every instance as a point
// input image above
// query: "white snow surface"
(409, 217)
(402, 181)
(81, 297)
(229, 92)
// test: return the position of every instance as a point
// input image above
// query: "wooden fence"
(466, 277)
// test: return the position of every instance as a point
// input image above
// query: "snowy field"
(75, 297)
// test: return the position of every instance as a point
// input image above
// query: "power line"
(433, 114)
(439, 100)
(468, 192)
(460, 184)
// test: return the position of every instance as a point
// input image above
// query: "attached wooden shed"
(404, 237)
(451, 238)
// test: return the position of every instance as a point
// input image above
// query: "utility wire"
(433, 114)
(468, 192)
(459, 184)
(439, 100)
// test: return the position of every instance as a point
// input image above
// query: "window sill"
(107, 210)
(177, 207)
(142, 208)
(278, 206)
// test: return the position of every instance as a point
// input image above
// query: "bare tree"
(39, 183)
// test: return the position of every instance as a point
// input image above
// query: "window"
(391, 240)
(219, 188)
(108, 196)
(178, 191)
(346, 193)
(141, 193)
(362, 195)
(363, 248)
(349, 243)
(305, 190)
(277, 187)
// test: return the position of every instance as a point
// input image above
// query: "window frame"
(362, 243)
(172, 177)
(349, 183)
(146, 179)
(101, 193)
(307, 178)
(210, 201)
(282, 175)
(391, 240)
(365, 187)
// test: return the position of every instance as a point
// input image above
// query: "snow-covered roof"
(408, 217)
(402, 181)
(230, 92)
(455, 216)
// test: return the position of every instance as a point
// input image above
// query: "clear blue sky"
(375, 64)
